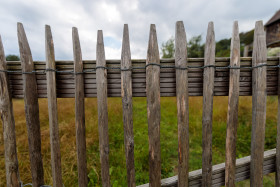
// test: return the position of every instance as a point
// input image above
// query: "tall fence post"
(126, 91)
(277, 175)
(52, 108)
(153, 108)
(80, 110)
(182, 103)
(233, 99)
(8, 121)
(101, 83)
(259, 58)
(207, 113)
(31, 108)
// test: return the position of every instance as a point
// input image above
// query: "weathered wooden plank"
(31, 109)
(153, 108)
(259, 105)
(277, 175)
(232, 115)
(218, 179)
(101, 79)
(8, 122)
(52, 108)
(207, 113)
(126, 92)
(182, 103)
(79, 110)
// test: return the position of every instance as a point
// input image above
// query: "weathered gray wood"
(232, 115)
(80, 110)
(153, 108)
(277, 175)
(31, 109)
(52, 108)
(182, 103)
(218, 179)
(101, 83)
(259, 105)
(126, 92)
(207, 113)
(8, 121)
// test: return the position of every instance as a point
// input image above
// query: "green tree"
(12, 58)
(168, 48)
(195, 48)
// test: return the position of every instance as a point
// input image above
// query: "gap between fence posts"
(31, 109)
(8, 122)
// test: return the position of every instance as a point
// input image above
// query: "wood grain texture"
(218, 179)
(182, 103)
(80, 111)
(126, 91)
(207, 113)
(232, 115)
(259, 105)
(52, 108)
(31, 109)
(8, 122)
(277, 174)
(101, 83)
(153, 108)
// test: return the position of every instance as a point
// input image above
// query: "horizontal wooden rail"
(218, 172)
(66, 86)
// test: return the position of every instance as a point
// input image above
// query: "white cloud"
(109, 15)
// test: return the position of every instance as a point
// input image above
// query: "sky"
(110, 16)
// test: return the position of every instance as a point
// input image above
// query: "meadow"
(117, 154)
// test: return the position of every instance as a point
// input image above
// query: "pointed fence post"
(31, 108)
(8, 122)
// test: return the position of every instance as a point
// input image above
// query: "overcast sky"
(110, 15)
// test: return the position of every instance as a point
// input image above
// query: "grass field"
(117, 155)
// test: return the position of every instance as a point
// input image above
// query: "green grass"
(117, 153)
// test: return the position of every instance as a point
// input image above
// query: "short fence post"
(52, 108)
(153, 108)
(232, 115)
(182, 103)
(259, 105)
(101, 83)
(8, 121)
(207, 113)
(80, 110)
(126, 91)
(31, 108)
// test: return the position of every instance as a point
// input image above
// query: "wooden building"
(272, 28)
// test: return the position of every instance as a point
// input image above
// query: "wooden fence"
(152, 78)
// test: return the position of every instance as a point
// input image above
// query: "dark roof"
(274, 18)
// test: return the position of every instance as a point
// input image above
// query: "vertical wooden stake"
(232, 115)
(52, 107)
(31, 109)
(259, 105)
(126, 87)
(80, 110)
(153, 108)
(8, 121)
(182, 103)
(277, 175)
(101, 83)
(208, 92)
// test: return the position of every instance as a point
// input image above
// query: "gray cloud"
(110, 15)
